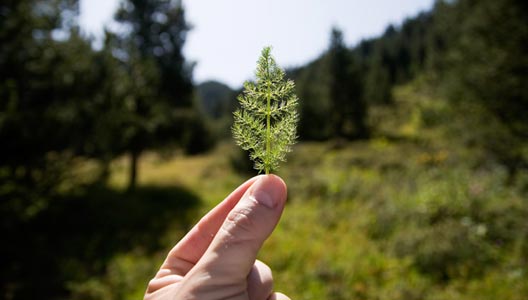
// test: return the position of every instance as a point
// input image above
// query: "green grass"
(374, 220)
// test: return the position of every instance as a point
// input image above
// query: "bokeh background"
(409, 181)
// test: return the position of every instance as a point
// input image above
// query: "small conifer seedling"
(265, 125)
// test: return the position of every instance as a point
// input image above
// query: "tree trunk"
(104, 173)
(134, 158)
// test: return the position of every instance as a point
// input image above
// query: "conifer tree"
(345, 88)
(161, 78)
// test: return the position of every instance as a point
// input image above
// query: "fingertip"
(278, 296)
(279, 183)
(269, 190)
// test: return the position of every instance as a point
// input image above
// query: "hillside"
(408, 215)
(215, 98)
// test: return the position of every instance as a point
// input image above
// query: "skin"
(217, 258)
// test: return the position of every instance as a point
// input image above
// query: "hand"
(217, 258)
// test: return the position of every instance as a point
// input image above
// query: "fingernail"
(264, 192)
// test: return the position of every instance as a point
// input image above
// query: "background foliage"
(410, 181)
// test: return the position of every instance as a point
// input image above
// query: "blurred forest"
(410, 180)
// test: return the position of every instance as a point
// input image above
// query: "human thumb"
(233, 250)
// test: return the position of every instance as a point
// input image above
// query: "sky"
(228, 35)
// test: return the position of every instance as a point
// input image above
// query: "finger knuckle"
(151, 286)
(264, 268)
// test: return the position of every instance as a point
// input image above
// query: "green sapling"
(266, 123)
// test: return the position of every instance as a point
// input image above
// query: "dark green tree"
(378, 82)
(315, 104)
(46, 78)
(383, 66)
(486, 71)
(158, 30)
(348, 112)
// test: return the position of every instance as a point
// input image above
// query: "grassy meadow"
(412, 213)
